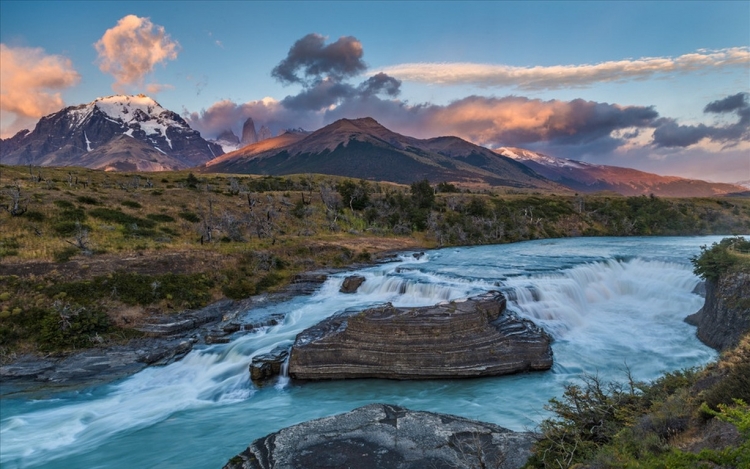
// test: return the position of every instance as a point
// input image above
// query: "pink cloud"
(30, 85)
(130, 50)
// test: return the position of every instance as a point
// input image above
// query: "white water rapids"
(610, 303)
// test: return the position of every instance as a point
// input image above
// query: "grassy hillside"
(87, 255)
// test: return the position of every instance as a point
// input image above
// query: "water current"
(611, 304)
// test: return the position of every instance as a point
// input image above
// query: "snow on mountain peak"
(132, 112)
(520, 154)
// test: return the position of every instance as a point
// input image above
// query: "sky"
(662, 87)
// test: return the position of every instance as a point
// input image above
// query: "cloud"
(566, 76)
(130, 50)
(309, 60)
(670, 134)
(30, 85)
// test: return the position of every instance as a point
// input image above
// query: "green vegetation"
(722, 257)
(234, 236)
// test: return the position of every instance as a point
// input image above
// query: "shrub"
(189, 216)
(33, 215)
(83, 199)
(160, 218)
(719, 258)
(115, 216)
(131, 204)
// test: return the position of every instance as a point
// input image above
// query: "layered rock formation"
(387, 436)
(725, 316)
(467, 338)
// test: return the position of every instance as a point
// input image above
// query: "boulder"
(387, 436)
(268, 365)
(351, 283)
(460, 339)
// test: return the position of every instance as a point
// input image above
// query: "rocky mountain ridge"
(91, 135)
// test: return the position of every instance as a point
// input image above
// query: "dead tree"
(15, 207)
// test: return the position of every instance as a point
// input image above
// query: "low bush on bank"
(722, 257)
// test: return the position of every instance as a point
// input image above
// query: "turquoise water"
(611, 303)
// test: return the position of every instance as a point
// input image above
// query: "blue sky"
(224, 52)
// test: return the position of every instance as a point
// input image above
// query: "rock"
(91, 366)
(725, 316)
(460, 339)
(418, 255)
(351, 284)
(248, 132)
(386, 436)
(264, 133)
(268, 365)
(228, 136)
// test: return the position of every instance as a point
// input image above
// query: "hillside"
(588, 177)
(362, 148)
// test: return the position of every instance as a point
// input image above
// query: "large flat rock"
(465, 338)
(386, 436)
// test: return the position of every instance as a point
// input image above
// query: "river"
(612, 304)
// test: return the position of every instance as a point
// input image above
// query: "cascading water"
(609, 303)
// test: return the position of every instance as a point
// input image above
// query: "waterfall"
(607, 302)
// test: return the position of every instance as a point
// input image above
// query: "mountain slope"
(363, 148)
(68, 137)
(588, 177)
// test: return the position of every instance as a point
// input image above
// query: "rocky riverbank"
(167, 339)
(725, 316)
(386, 436)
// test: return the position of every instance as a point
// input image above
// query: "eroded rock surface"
(725, 316)
(467, 338)
(387, 436)
(268, 365)
(351, 284)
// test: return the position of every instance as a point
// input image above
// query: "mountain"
(249, 136)
(228, 141)
(588, 177)
(112, 133)
(362, 148)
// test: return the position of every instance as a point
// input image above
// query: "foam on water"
(609, 304)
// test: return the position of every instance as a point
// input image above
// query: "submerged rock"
(387, 436)
(465, 338)
(268, 365)
(351, 284)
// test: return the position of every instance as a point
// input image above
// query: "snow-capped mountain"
(114, 133)
(589, 177)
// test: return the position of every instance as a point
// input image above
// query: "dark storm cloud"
(310, 60)
(731, 103)
(671, 134)
(319, 96)
(380, 83)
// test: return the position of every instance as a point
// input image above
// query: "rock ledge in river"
(465, 338)
(387, 436)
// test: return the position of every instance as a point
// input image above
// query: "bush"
(189, 216)
(717, 260)
(131, 204)
(160, 218)
(115, 216)
(83, 199)
(67, 327)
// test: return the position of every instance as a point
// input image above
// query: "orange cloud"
(30, 85)
(131, 49)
